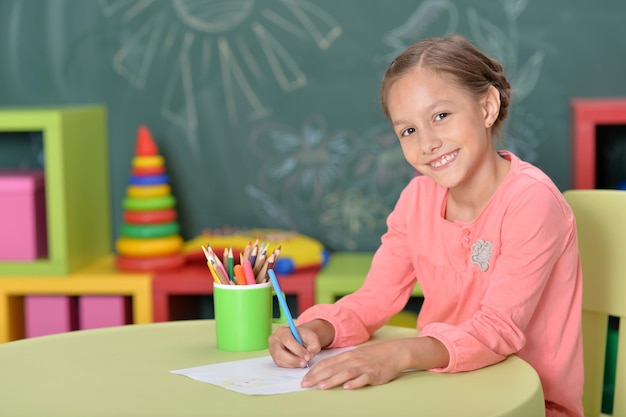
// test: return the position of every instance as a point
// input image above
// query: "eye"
(441, 116)
(407, 132)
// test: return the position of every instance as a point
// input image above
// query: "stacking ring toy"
(149, 216)
(149, 247)
(148, 191)
(152, 263)
(148, 161)
(147, 231)
(149, 179)
(142, 204)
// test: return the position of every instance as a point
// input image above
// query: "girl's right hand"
(288, 353)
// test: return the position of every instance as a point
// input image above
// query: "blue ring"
(149, 179)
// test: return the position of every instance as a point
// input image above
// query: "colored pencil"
(219, 266)
(231, 264)
(254, 253)
(260, 276)
(240, 275)
(247, 269)
(247, 250)
(285, 308)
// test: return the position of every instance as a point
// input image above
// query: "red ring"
(152, 263)
(149, 216)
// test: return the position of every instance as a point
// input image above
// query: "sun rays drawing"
(197, 40)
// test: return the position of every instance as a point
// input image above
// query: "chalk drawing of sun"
(194, 34)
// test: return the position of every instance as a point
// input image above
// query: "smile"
(444, 160)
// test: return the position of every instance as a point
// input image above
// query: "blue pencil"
(285, 308)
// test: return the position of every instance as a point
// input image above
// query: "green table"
(124, 371)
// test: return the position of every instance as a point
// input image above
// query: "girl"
(489, 238)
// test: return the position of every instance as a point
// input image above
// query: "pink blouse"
(508, 282)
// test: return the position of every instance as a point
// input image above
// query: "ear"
(491, 106)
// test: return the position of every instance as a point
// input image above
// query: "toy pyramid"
(149, 237)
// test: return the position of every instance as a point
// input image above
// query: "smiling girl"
(489, 238)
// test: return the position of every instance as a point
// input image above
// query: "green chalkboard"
(266, 111)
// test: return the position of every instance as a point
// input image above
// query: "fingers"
(348, 379)
(329, 373)
(325, 377)
(358, 382)
(287, 352)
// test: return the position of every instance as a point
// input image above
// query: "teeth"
(444, 160)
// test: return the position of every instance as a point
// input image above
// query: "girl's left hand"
(374, 364)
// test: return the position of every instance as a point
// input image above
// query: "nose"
(429, 144)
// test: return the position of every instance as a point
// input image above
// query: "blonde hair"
(453, 55)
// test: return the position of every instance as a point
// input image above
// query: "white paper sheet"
(258, 376)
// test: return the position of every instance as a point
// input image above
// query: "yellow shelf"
(99, 278)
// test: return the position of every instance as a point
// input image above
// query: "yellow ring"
(149, 247)
(147, 191)
(148, 161)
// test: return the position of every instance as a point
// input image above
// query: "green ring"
(149, 230)
(152, 203)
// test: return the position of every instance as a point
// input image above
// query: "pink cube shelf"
(95, 311)
(23, 234)
(49, 314)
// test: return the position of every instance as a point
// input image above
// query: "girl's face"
(444, 131)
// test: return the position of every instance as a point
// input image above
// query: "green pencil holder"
(243, 316)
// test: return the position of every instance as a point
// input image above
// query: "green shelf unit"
(77, 196)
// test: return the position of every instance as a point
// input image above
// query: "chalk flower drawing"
(350, 215)
(186, 36)
(353, 217)
(311, 167)
(378, 166)
(301, 166)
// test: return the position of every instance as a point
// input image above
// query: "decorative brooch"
(481, 253)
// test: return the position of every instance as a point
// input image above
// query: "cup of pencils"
(243, 298)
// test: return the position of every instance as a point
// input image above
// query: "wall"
(267, 112)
